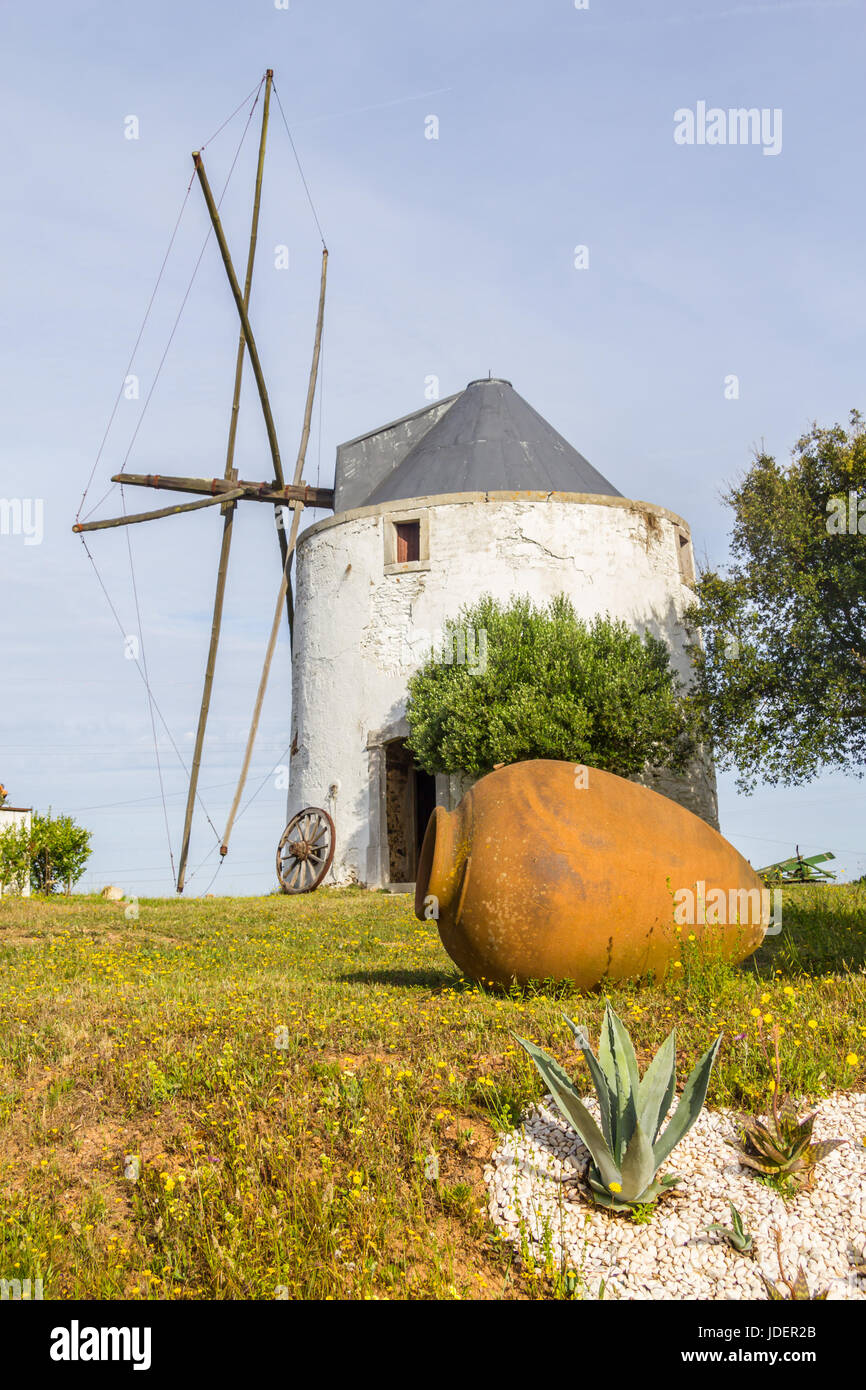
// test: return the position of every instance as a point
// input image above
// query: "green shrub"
(514, 682)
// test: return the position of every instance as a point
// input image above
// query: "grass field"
(311, 1090)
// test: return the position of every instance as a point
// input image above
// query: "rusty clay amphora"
(550, 871)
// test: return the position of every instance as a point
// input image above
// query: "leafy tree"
(14, 857)
(52, 851)
(540, 683)
(780, 686)
(59, 851)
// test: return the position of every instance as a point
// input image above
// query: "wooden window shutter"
(408, 541)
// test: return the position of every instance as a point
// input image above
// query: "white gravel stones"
(672, 1256)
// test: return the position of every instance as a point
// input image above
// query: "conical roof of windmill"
(486, 438)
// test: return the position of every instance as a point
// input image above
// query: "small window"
(408, 541)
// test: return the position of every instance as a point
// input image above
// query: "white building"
(10, 818)
(475, 494)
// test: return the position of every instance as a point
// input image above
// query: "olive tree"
(780, 687)
(538, 682)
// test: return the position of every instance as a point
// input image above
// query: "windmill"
(306, 848)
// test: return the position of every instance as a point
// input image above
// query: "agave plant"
(627, 1150)
(736, 1234)
(782, 1147)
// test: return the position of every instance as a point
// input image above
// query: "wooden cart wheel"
(305, 851)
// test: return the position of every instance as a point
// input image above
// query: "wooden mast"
(229, 489)
(222, 497)
(230, 474)
(305, 439)
(247, 331)
(285, 590)
(252, 492)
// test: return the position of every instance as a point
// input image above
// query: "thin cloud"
(359, 110)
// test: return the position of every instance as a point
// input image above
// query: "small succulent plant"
(782, 1147)
(626, 1150)
(798, 1288)
(736, 1234)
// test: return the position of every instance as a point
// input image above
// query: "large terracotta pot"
(547, 871)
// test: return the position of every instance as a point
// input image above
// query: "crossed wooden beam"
(229, 489)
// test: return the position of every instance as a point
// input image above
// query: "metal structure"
(304, 864)
(490, 440)
(798, 869)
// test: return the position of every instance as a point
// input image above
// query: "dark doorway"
(410, 796)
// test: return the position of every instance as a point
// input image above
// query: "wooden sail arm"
(229, 474)
(285, 594)
(220, 498)
(321, 497)
(246, 331)
(242, 313)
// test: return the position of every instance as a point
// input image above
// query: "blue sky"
(449, 257)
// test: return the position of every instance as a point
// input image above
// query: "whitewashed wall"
(360, 632)
(10, 818)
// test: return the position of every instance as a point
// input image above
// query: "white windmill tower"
(476, 493)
